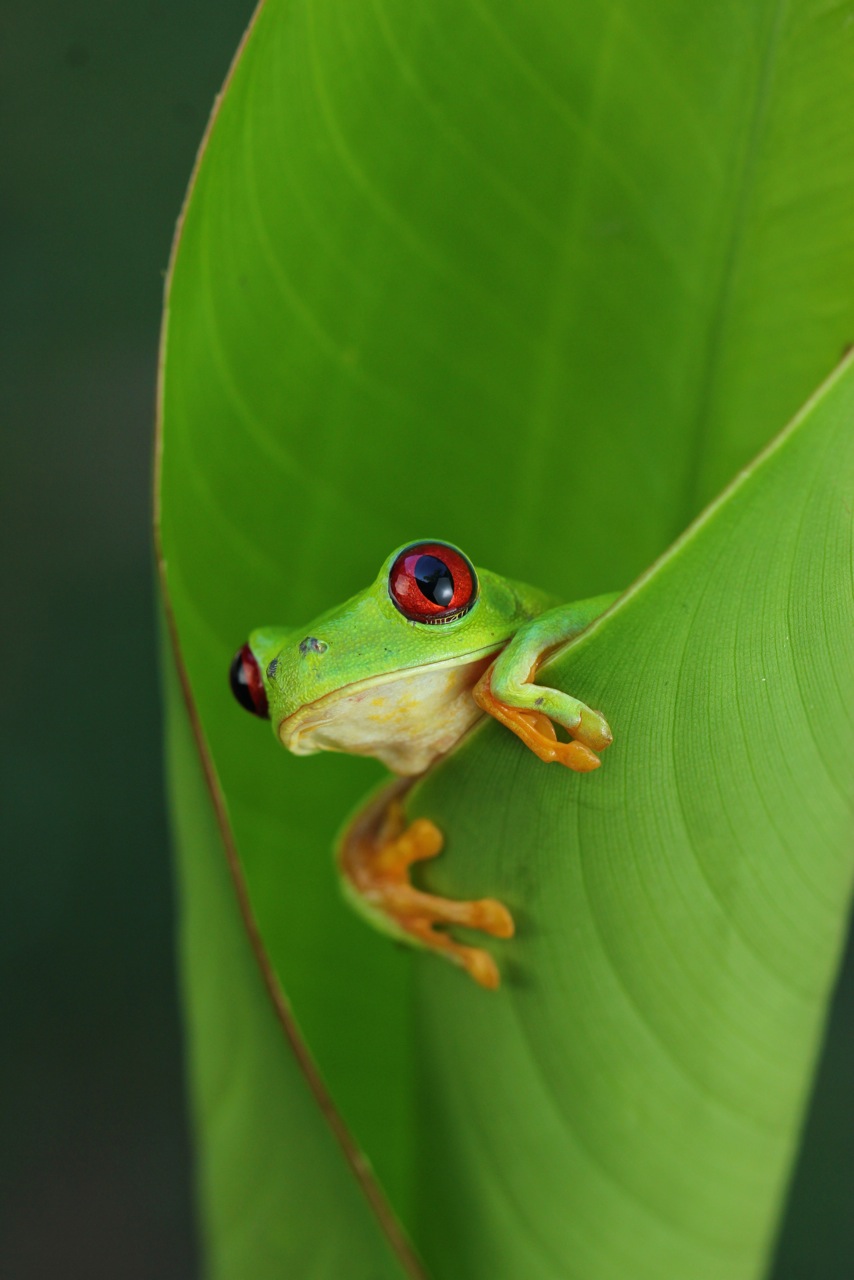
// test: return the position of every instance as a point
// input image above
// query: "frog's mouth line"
(289, 728)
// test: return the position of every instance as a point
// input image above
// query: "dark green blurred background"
(103, 106)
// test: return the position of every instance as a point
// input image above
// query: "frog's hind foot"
(376, 854)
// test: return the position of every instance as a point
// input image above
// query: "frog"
(403, 672)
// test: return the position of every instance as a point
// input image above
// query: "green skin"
(367, 649)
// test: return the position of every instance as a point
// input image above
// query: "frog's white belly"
(407, 721)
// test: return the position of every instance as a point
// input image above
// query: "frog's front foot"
(376, 855)
(528, 710)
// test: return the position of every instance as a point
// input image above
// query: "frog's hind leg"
(376, 853)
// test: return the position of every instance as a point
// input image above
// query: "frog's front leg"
(376, 853)
(507, 690)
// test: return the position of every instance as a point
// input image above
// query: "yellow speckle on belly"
(407, 722)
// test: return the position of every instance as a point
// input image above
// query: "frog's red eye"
(246, 683)
(432, 582)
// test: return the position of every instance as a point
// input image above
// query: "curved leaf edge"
(354, 1156)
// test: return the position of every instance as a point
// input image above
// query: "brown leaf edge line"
(359, 1165)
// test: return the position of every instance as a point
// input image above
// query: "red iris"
(432, 582)
(247, 684)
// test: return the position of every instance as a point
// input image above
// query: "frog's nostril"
(312, 645)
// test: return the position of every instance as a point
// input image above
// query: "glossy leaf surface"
(536, 278)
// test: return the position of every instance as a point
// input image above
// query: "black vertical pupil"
(434, 580)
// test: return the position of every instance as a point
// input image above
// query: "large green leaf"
(630, 1104)
(536, 277)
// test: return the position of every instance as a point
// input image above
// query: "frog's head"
(404, 650)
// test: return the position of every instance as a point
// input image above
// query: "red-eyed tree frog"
(402, 672)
